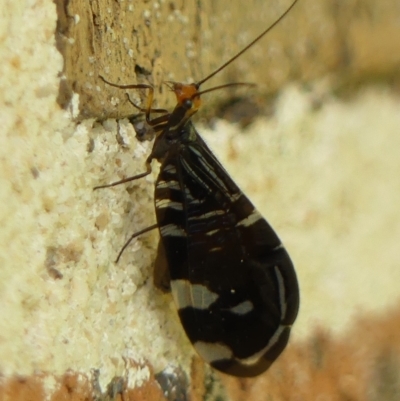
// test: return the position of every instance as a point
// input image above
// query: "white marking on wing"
(192, 295)
(212, 232)
(190, 199)
(171, 184)
(170, 168)
(250, 219)
(195, 151)
(166, 203)
(172, 230)
(212, 352)
(252, 360)
(235, 197)
(282, 294)
(207, 215)
(215, 249)
(242, 308)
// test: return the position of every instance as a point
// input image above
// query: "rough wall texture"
(151, 42)
(323, 170)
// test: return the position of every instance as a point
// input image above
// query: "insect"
(232, 280)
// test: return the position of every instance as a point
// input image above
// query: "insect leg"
(144, 110)
(128, 179)
(134, 235)
(147, 110)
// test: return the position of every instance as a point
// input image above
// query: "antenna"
(248, 46)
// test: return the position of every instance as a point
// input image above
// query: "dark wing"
(233, 282)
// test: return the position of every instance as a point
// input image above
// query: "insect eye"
(187, 104)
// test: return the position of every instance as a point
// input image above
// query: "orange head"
(186, 92)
